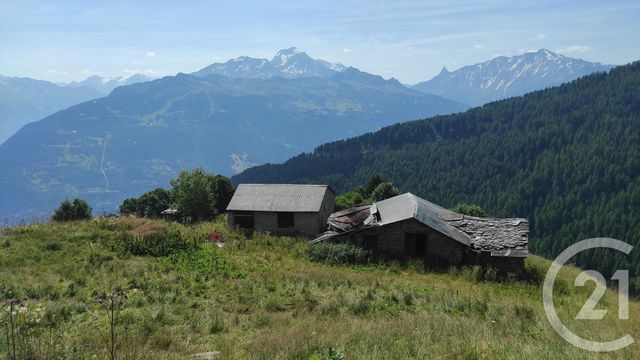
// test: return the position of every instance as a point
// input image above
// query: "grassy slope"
(267, 301)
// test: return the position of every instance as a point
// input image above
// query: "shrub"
(150, 204)
(349, 199)
(470, 209)
(161, 243)
(384, 191)
(205, 260)
(53, 246)
(216, 324)
(525, 312)
(68, 211)
(337, 253)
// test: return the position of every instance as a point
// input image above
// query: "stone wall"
(391, 241)
(440, 249)
(305, 223)
(327, 208)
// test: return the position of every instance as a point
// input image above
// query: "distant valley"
(142, 135)
(23, 100)
(226, 118)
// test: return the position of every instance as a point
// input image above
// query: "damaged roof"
(500, 237)
(278, 197)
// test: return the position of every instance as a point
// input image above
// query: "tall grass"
(260, 297)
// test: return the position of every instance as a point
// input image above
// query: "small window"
(244, 219)
(285, 220)
(370, 242)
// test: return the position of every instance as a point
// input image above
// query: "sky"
(62, 41)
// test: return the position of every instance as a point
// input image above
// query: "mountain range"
(225, 118)
(106, 84)
(287, 63)
(23, 100)
(140, 136)
(504, 77)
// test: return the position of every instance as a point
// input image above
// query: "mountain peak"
(444, 70)
(289, 51)
(283, 56)
(288, 63)
(548, 54)
(504, 77)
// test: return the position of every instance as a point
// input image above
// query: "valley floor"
(260, 298)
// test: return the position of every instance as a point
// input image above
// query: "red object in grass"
(214, 236)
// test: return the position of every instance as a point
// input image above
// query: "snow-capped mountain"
(505, 77)
(288, 63)
(105, 84)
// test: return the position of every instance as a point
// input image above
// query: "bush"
(150, 204)
(68, 211)
(349, 199)
(53, 246)
(470, 209)
(205, 260)
(384, 191)
(160, 243)
(337, 253)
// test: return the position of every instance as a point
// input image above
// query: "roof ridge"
(254, 184)
(414, 202)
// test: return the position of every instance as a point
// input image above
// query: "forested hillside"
(568, 158)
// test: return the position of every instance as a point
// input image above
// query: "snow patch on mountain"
(288, 63)
(504, 77)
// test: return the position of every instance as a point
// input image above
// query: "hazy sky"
(410, 40)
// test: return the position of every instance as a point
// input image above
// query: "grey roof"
(351, 218)
(500, 237)
(278, 197)
(407, 206)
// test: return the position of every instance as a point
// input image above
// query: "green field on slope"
(260, 298)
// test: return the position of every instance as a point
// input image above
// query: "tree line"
(196, 195)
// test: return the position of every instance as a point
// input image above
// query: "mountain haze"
(23, 100)
(142, 135)
(505, 77)
(106, 84)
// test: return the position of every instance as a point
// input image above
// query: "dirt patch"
(146, 229)
(130, 222)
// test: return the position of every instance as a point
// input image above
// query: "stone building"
(283, 209)
(406, 226)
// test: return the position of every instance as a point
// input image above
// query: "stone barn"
(406, 226)
(283, 209)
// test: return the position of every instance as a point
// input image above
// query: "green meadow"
(260, 297)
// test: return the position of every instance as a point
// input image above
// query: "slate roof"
(278, 197)
(500, 237)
